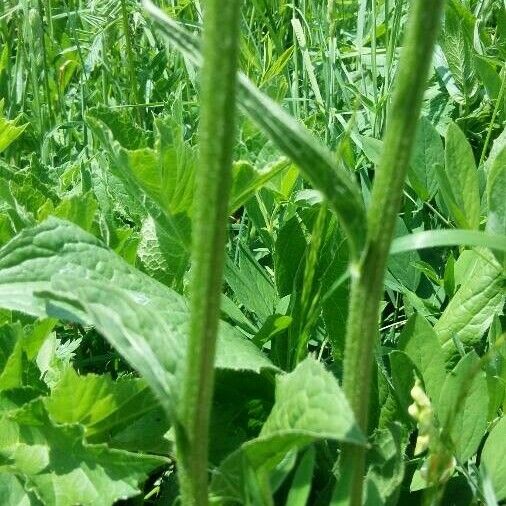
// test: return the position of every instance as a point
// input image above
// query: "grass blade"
(440, 238)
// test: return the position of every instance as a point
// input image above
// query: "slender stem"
(45, 61)
(213, 180)
(497, 108)
(134, 91)
(367, 284)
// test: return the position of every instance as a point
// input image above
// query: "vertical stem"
(367, 284)
(134, 92)
(213, 180)
(45, 61)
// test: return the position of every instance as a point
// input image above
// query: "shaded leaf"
(492, 458)
(309, 406)
(463, 406)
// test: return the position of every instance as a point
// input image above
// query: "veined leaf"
(60, 468)
(12, 492)
(420, 342)
(472, 308)
(313, 159)
(496, 196)
(428, 152)
(459, 184)
(84, 281)
(309, 406)
(462, 410)
(386, 471)
(104, 407)
(492, 458)
(9, 131)
(11, 358)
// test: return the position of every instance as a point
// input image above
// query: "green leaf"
(420, 342)
(13, 493)
(428, 152)
(492, 458)
(61, 469)
(79, 209)
(496, 195)
(309, 406)
(472, 308)
(386, 469)
(251, 285)
(160, 254)
(463, 406)
(401, 267)
(247, 180)
(87, 282)
(11, 356)
(312, 157)
(9, 131)
(488, 75)
(104, 407)
(456, 42)
(289, 250)
(461, 189)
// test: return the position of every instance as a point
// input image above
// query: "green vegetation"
(252, 253)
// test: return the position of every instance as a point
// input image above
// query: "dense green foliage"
(116, 200)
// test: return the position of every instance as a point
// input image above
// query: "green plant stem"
(134, 92)
(367, 282)
(213, 181)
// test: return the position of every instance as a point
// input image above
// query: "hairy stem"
(367, 284)
(213, 180)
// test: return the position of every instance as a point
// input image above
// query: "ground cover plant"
(252, 253)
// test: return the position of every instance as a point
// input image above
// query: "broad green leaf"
(461, 179)
(123, 127)
(420, 342)
(472, 308)
(79, 209)
(463, 406)
(11, 356)
(251, 285)
(273, 326)
(9, 130)
(247, 180)
(161, 255)
(401, 267)
(105, 407)
(492, 458)
(312, 158)
(488, 75)
(335, 294)
(428, 152)
(456, 42)
(496, 196)
(386, 468)
(403, 372)
(145, 320)
(372, 149)
(497, 146)
(289, 249)
(13, 493)
(146, 175)
(309, 406)
(61, 469)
